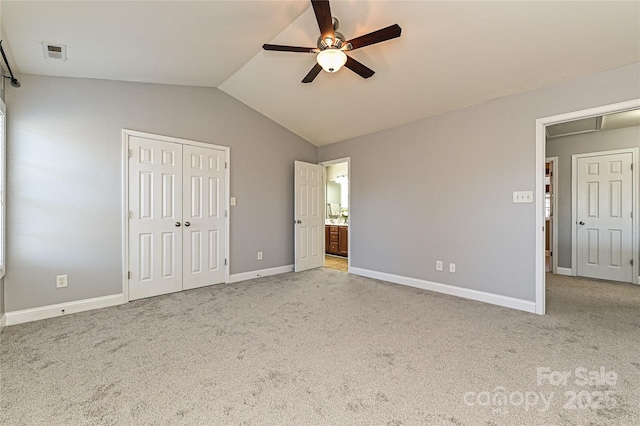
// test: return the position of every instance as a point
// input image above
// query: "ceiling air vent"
(55, 51)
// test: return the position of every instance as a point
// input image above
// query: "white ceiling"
(451, 54)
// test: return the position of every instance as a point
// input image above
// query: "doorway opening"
(337, 214)
(551, 226)
(564, 127)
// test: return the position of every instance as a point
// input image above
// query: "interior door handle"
(581, 223)
(187, 224)
(297, 221)
(177, 224)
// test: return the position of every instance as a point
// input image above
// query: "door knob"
(581, 223)
(177, 223)
(187, 224)
(297, 221)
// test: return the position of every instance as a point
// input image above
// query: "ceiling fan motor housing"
(338, 41)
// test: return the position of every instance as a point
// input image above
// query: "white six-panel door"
(155, 218)
(309, 216)
(204, 216)
(604, 215)
(177, 221)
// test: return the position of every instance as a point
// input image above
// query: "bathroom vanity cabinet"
(337, 239)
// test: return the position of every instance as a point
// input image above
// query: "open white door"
(309, 216)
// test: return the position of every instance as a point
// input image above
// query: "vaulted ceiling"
(451, 54)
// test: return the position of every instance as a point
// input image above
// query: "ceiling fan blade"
(281, 48)
(384, 34)
(312, 74)
(357, 67)
(323, 16)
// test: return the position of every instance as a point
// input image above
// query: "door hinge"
(631, 262)
(226, 165)
(225, 213)
(129, 275)
(631, 166)
(225, 262)
(129, 214)
(129, 153)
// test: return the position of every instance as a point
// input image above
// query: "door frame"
(554, 218)
(126, 134)
(331, 163)
(541, 124)
(634, 206)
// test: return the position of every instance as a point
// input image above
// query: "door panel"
(605, 223)
(204, 177)
(155, 258)
(309, 217)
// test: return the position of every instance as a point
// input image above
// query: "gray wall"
(564, 148)
(450, 180)
(65, 179)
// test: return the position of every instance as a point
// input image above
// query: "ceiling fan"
(332, 45)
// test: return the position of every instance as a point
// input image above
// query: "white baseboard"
(564, 271)
(243, 276)
(3, 322)
(44, 312)
(481, 296)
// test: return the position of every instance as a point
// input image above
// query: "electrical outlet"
(61, 281)
(452, 267)
(259, 255)
(438, 265)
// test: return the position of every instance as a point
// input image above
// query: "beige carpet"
(328, 348)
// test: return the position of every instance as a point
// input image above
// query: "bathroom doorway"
(337, 214)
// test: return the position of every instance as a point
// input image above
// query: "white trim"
(3, 189)
(126, 133)
(564, 271)
(634, 208)
(44, 312)
(243, 276)
(481, 296)
(330, 163)
(125, 215)
(540, 269)
(541, 125)
(3, 322)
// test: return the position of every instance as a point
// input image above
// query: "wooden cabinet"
(337, 239)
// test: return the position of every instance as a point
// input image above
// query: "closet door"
(204, 232)
(155, 217)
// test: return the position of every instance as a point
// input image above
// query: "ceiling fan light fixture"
(331, 59)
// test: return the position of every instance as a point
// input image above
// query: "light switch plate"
(232, 201)
(523, 196)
